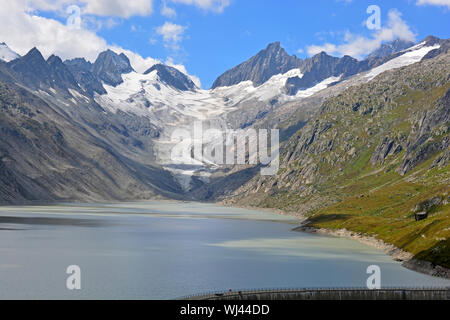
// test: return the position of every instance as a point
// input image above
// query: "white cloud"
(48, 5)
(22, 31)
(172, 34)
(167, 11)
(358, 46)
(118, 8)
(208, 5)
(434, 3)
(114, 8)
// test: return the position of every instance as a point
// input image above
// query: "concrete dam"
(329, 294)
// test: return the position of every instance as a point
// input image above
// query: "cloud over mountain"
(358, 46)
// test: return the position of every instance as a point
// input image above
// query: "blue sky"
(208, 37)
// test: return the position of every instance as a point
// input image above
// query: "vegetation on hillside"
(370, 160)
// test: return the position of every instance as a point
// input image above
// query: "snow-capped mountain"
(271, 61)
(6, 54)
(274, 61)
(171, 101)
(131, 116)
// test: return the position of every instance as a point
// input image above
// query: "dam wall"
(329, 294)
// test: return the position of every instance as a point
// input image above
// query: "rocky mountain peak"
(79, 63)
(271, 61)
(60, 74)
(54, 60)
(82, 71)
(320, 67)
(32, 68)
(110, 66)
(390, 48)
(172, 77)
(34, 55)
(431, 40)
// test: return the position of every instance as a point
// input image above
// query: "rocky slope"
(371, 158)
(59, 144)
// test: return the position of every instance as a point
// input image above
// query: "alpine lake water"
(167, 250)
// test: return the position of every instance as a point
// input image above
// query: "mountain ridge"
(268, 62)
(321, 66)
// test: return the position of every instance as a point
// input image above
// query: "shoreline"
(397, 254)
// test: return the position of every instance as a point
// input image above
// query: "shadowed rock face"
(32, 68)
(269, 62)
(172, 77)
(81, 69)
(60, 73)
(47, 154)
(110, 66)
(421, 144)
(320, 67)
(37, 73)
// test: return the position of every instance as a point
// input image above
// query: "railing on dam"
(327, 294)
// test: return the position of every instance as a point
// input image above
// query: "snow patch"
(317, 88)
(404, 60)
(6, 54)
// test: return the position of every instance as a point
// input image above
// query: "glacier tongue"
(171, 109)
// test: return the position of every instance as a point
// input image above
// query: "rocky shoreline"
(396, 253)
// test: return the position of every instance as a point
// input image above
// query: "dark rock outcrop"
(321, 67)
(81, 70)
(110, 66)
(32, 69)
(386, 148)
(60, 74)
(36, 73)
(423, 142)
(172, 77)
